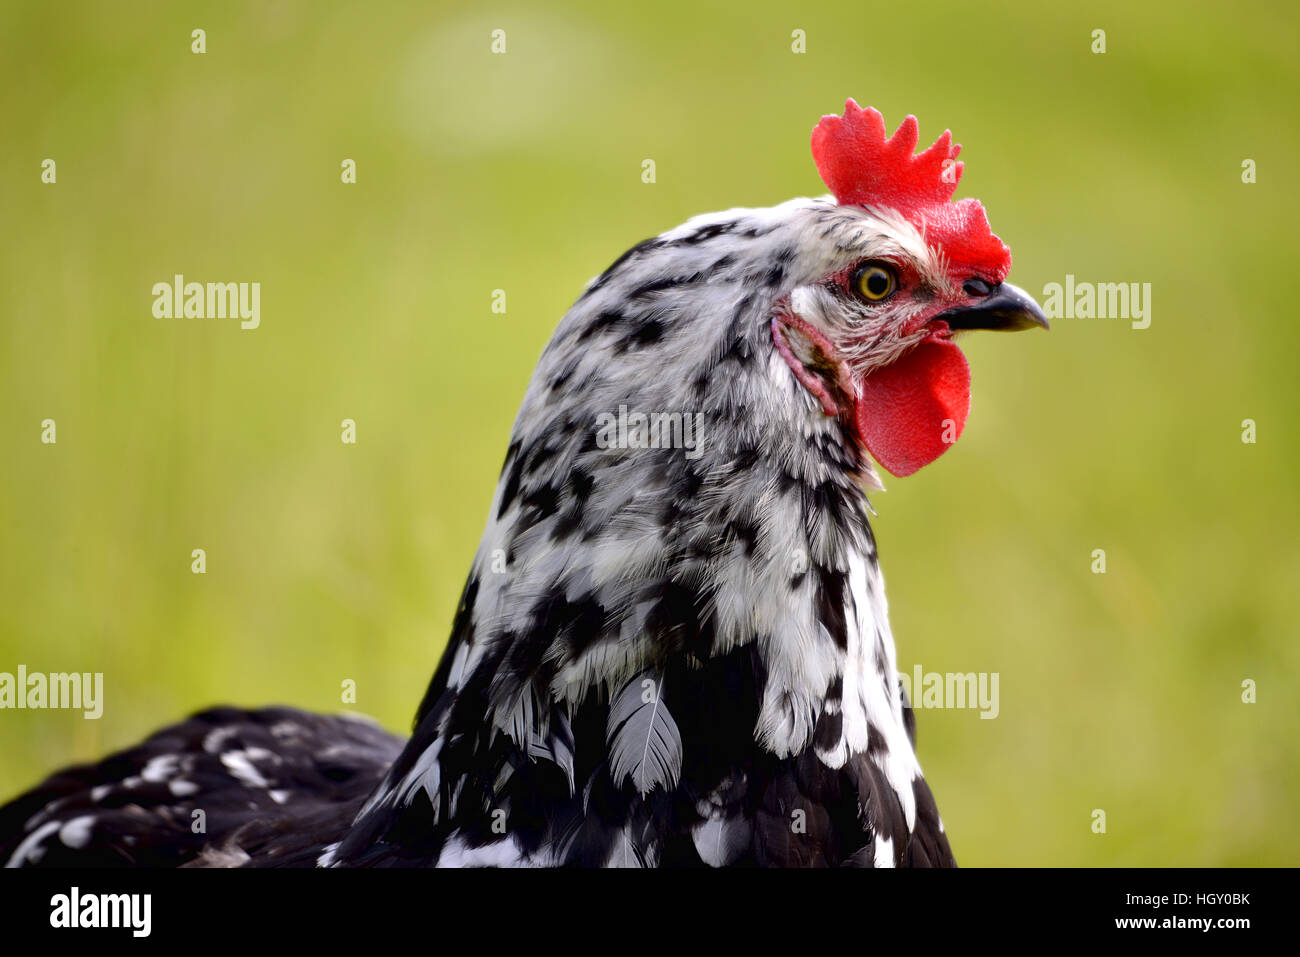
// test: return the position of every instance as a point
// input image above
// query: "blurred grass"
(477, 172)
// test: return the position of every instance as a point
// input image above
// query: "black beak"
(1005, 308)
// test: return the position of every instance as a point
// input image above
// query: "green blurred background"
(476, 172)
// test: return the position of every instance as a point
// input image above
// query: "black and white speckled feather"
(658, 659)
(739, 590)
(220, 789)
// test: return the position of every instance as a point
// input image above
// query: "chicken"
(673, 647)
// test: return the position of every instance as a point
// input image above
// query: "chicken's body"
(671, 652)
(224, 788)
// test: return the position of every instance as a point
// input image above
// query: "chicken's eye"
(873, 282)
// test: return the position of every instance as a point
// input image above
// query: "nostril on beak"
(976, 287)
(1003, 307)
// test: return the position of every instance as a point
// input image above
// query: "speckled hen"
(673, 647)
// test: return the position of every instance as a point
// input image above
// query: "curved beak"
(1006, 308)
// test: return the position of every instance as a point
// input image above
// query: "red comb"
(862, 166)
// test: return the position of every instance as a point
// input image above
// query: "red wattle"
(912, 411)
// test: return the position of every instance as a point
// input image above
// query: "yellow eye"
(872, 282)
